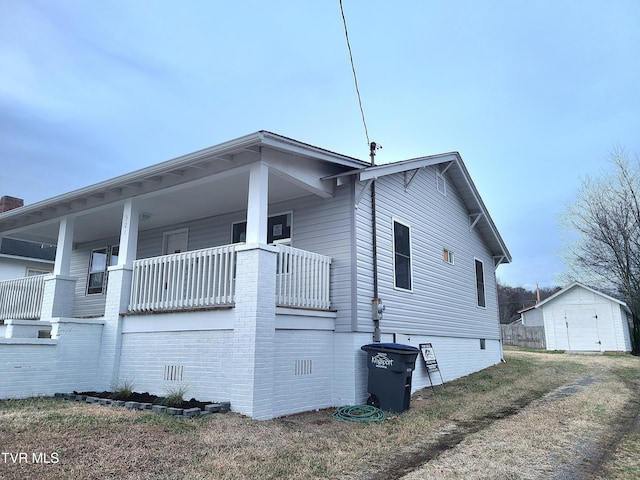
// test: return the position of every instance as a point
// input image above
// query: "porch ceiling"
(165, 208)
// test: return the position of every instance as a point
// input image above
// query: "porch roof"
(225, 163)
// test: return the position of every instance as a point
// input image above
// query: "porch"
(190, 280)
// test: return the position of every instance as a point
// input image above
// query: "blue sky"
(534, 95)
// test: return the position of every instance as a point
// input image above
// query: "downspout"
(376, 303)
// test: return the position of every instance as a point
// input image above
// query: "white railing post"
(303, 279)
(21, 299)
(193, 279)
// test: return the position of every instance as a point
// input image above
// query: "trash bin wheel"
(373, 401)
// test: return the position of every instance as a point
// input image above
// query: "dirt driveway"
(571, 433)
(537, 416)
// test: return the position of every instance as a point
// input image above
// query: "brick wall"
(198, 360)
(39, 366)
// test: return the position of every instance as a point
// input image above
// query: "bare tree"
(605, 220)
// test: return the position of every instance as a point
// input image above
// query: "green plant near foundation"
(123, 390)
(174, 396)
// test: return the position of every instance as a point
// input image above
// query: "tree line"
(513, 299)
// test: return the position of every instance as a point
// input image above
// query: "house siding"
(87, 305)
(324, 226)
(443, 301)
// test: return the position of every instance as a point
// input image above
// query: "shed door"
(582, 329)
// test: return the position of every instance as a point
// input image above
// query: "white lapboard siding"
(324, 226)
(443, 298)
(87, 305)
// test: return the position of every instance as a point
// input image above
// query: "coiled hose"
(360, 413)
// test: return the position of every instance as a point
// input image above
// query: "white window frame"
(484, 283)
(37, 271)
(109, 263)
(450, 256)
(284, 241)
(393, 254)
(165, 238)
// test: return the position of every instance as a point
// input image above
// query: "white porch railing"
(21, 299)
(302, 278)
(199, 278)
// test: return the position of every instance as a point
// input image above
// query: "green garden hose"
(360, 413)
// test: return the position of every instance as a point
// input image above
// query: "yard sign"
(431, 362)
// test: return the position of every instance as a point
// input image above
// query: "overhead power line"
(353, 69)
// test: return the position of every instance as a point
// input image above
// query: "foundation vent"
(173, 373)
(303, 367)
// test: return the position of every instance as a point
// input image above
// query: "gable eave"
(463, 183)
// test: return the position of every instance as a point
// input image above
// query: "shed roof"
(581, 285)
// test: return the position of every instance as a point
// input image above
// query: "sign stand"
(430, 361)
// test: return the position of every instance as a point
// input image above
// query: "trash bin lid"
(390, 346)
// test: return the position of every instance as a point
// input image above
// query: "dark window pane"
(480, 283)
(402, 255)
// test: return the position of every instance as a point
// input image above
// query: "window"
(278, 230)
(447, 256)
(101, 258)
(480, 284)
(483, 344)
(441, 183)
(33, 271)
(402, 255)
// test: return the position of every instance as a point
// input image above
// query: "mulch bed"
(145, 397)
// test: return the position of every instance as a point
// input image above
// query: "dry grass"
(99, 442)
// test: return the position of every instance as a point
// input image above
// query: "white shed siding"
(580, 319)
(443, 301)
(624, 327)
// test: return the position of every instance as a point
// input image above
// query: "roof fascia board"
(405, 165)
(27, 259)
(290, 145)
(476, 195)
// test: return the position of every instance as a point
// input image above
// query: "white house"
(19, 258)
(246, 272)
(579, 318)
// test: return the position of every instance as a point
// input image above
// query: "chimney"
(9, 203)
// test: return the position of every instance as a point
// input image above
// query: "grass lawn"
(45, 438)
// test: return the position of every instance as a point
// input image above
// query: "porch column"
(258, 204)
(59, 288)
(254, 332)
(118, 294)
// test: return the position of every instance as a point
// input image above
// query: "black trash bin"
(390, 369)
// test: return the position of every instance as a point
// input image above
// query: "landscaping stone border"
(220, 407)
